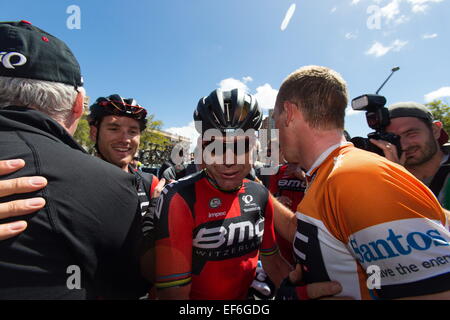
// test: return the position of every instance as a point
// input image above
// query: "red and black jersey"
(281, 184)
(211, 238)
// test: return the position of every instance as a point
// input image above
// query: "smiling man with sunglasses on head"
(116, 125)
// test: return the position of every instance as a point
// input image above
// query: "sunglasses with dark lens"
(235, 146)
(123, 107)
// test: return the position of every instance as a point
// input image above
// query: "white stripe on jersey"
(340, 264)
(301, 237)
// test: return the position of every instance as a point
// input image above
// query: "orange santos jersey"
(369, 224)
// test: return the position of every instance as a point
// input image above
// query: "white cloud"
(394, 12)
(288, 17)
(420, 6)
(429, 36)
(188, 132)
(440, 93)
(333, 10)
(231, 83)
(266, 96)
(379, 50)
(397, 45)
(402, 19)
(351, 35)
(354, 2)
(391, 10)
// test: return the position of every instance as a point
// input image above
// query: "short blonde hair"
(320, 93)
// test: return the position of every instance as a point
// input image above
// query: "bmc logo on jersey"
(229, 234)
(293, 184)
(11, 60)
(395, 245)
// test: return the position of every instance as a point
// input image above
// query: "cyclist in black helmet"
(212, 226)
(116, 127)
(225, 111)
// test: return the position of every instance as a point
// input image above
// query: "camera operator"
(421, 140)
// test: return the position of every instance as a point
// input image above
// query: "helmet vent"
(227, 108)
(216, 117)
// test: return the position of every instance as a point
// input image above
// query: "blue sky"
(169, 53)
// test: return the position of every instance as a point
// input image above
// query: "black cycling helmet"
(116, 105)
(228, 111)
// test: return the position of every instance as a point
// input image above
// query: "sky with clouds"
(168, 54)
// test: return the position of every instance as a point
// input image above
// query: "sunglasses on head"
(123, 107)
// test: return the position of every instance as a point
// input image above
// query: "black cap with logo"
(29, 52)
(410, 109)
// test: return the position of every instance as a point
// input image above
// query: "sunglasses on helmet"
(125, 108)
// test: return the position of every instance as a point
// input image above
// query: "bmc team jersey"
(281, 184)
(369, 224)
(211, 238)
(146, 184)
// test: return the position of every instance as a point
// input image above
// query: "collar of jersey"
(214, 184)
(324, 156)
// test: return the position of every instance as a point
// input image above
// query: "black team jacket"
(84, 243)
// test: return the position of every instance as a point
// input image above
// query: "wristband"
(289, 291)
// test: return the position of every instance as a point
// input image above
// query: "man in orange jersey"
(365, 222)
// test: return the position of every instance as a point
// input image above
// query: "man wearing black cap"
(421, 140)
(83, 244)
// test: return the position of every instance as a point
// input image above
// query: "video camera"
(377, 116)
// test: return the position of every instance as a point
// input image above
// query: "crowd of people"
(317, 228)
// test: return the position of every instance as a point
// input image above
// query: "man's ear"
(93, 133)
(70, 123)
(291, 109)
(78, 105)
(436, 127)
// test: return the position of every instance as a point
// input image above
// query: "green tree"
(441, 112)
(82, 134)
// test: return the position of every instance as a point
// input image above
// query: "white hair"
(52, 98)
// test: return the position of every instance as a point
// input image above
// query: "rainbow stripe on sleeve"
(174, 280)
(269, 252)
